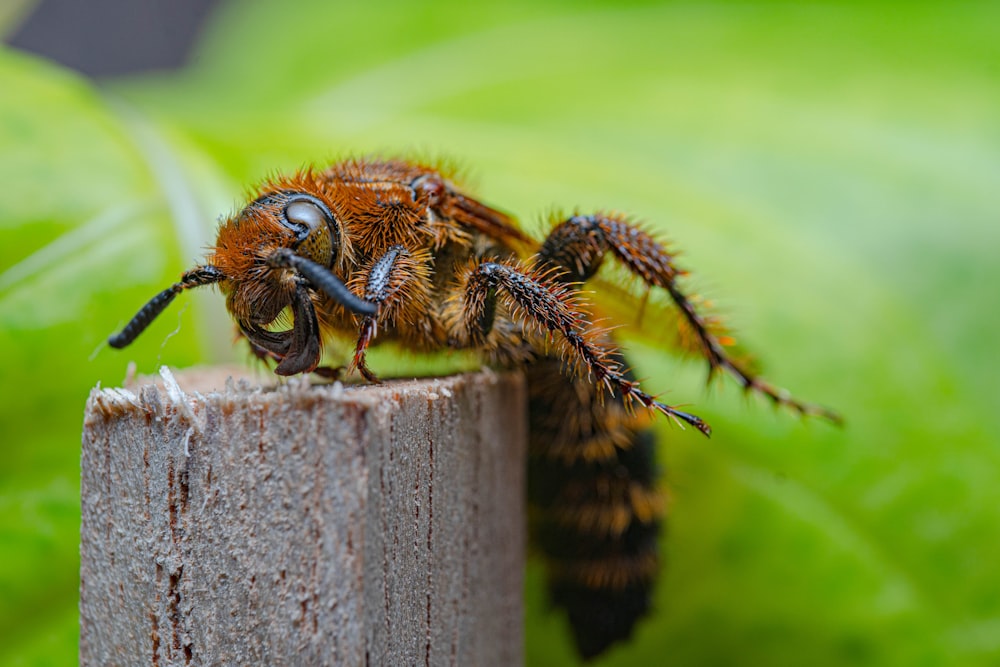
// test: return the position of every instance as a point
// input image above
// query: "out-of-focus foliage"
(831, 173)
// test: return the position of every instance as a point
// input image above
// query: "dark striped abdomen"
(594, 506)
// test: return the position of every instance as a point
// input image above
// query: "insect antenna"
(322, 279)
(196, 277)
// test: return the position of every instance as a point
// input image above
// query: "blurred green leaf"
(828, 170)
(85, 237)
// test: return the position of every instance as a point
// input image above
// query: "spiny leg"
(550, 307)
(579, 245)
(376, 291)
(394, 280)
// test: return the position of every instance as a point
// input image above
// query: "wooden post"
(326, 525)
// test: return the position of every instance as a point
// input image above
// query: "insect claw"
(368, 375)
(680, 416)
(826, 413)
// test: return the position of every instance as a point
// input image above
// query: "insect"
(388, 249)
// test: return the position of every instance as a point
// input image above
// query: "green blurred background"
(830, 171)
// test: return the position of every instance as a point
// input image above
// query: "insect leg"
(392, 283)
(596, 506)
(580, 244)
(551, 308)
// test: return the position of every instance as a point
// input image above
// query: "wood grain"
(313, 525)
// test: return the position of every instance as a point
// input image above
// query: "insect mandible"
(389, 249)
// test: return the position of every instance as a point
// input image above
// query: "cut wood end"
(226, 521)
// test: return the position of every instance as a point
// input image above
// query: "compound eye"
(317, 234)
(306, 216)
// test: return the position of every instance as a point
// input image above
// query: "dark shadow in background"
(102, 38)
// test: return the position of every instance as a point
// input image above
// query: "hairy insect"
(382, 249)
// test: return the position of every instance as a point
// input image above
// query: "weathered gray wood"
(332, 525)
